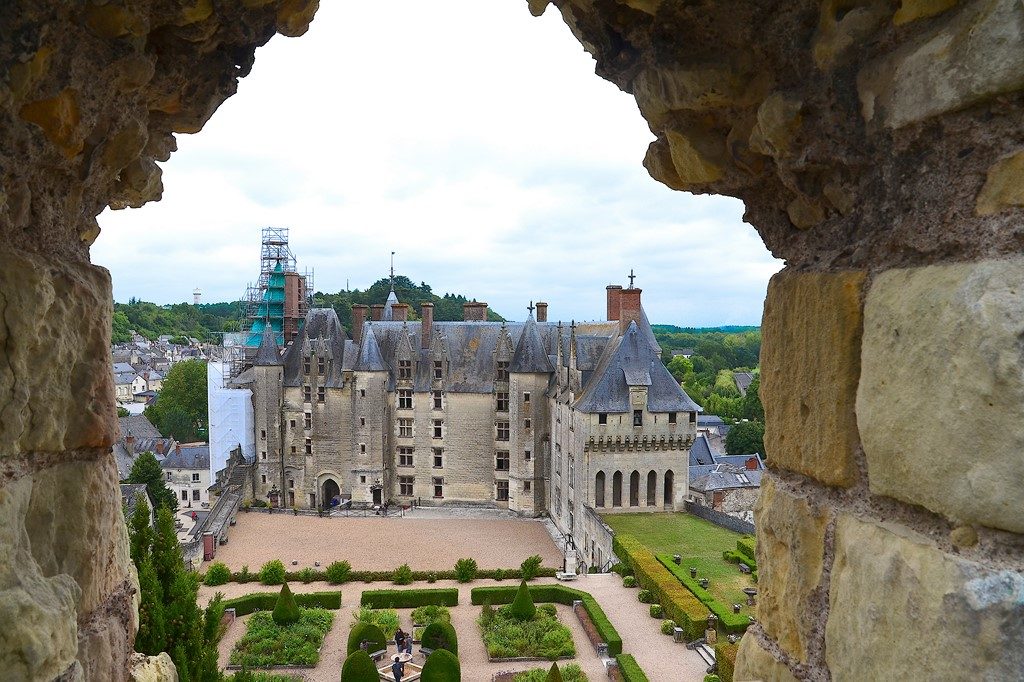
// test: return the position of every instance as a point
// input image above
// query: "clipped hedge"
(558, 594)
(678, 603)
(725, 658)
(286, 611)
(265, 601)
(630, 669)
(368, 631)
(730, 622)
(440, 635)
(441, 666)
(745, 546)
(359, 667)
(409, 599)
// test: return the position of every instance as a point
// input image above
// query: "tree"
(181, 408)
(522, 606)
(680, 366)
(147, 470)
(745, 438)
(751, 407)
(121, 412)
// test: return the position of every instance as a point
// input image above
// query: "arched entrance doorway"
(331, 494)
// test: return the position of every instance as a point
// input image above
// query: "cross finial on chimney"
(631, 278)
(530, 308)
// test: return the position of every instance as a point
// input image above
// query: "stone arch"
(670, 489)
(599, 489)
(634, 489)
(652, 488)
(330, 493)
(617, 489)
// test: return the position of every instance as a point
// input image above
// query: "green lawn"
(700, 543)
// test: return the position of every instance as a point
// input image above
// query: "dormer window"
(321, 365)
(305, 366)
(438, 369)
(502, 371)
(405, 369)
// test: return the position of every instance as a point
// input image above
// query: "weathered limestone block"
(810, 366)
(902, 609)
(754, 663)
(105, 642)
(1004, 186)
(977, 54)
(912, 10)
(153, 669)
(39, 637)
(841, 27)
(56, 387)
(790, 555)
(942, 364)
(81, 531)
(778, 122)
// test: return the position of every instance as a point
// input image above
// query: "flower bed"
(570, 673)
(543, 637)
(266, 643)
(425, 615)
(264, 601)
(385, 619)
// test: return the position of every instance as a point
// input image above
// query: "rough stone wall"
(91, 94)
(879, 150)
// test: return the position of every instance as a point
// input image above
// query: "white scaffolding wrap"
(231, 418)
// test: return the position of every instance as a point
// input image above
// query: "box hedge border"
(630, 669)
(732, 623)
(265, 601)
(745, 546)
(557, 594)
(679, 603)
(725, 660)
(409, 599)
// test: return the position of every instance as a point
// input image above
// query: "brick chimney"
(159, 447)
(427, 326)
(474, 311)
(614, 292)
(751, 464)
(377, 312)
(542, 311)
(629, 308)
(129, 442)
(177, 448)
(399, 312)
(358, 318)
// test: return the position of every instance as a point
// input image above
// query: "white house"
(187, 472)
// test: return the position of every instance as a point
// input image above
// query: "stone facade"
(474, 413)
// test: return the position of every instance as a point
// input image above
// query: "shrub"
(385, 619)
(266, 643)
(441, 666)
(369, 632)
(570, 673)
(542, 637)
(286, 611)
(558, 594)
(657, 611)
(465, 570)
(499, 574)
(629, 669)
(645, 597)
(746, 547)
(668, 627)
(554, 675)
(729, 621)
(622, 569)
(244, 576)
(629, 581)
(402, 575)
(425, 615)
(307, 575)
(405, 599)
(486, 615)
(359, 667)
(440, 635)
(547, 610)
(522, 606)
(725, 657)
(338, 572)
(265, 601)
(217, 574)
(431, 577)
(712, 678)
(530, 567)
(272, 573)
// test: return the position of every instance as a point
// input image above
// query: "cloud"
(474, 140)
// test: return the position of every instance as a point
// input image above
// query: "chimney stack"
(377, 312)
(614, 296)
(358, 318)
(399, 312)
(542, 311)
(159, 447)
(177, 448)
(629, 308)
(751, 464)
(474, 311)
(427, 325)
(129, 441)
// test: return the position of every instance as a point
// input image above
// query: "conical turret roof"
(370, 358)
(268, 355)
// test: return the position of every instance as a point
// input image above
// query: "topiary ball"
(522, 606)
(359, 667)
(440, 635)
(368, 631)
(286, 611)
(441, 666)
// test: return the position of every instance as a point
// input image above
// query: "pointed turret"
(267, 355)
(370, 358)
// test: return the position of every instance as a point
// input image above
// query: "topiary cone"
(286, 611)
(522, 606)
(554, 675)
(359, 667)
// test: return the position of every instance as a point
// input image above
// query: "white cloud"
(474, 141)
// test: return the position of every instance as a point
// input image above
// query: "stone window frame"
(307, 420)
(438, 370)
(307, 394)
(321, 366)
(527, 455)
(405, 456)
(438, 483)
(438, 398)
(437, 429)
(406, 427)
(437, 458)
(321, 394)
(405, 399)
(306, 366)
(406, 485)
(638, 418)
(309, 446)
(501, 491)
(572, 469)
(195, 495)
(671, 417)
(527, 486)
(195, 477)
(502, 460)
(503, 430)
(501, 401)
(526, 398)
(405, 370)
(501, 371)
(528, 423)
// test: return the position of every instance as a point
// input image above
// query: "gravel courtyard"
(426, 544)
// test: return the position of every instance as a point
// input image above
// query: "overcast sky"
(472, 139)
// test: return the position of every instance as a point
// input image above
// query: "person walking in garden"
(403, 641)
(397, 667)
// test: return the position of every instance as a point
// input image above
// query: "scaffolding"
(281, 295)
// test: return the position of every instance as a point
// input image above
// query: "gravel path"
(660, 658)
(384, 543)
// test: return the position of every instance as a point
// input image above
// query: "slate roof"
(709, 420)
(743, 381)
(130, 493)
(124, 379)
(138, 425)
(531, 354)
(725, 477)
(701, 453)
(321, 323)
(370, 359)
(123, 368)
(190, 457)
(267, 355)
